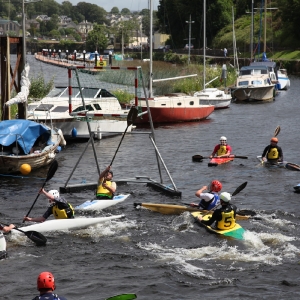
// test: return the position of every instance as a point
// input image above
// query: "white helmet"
(223, 138)
(226, 197)
(54, 193)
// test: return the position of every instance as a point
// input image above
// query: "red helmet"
(274, 140)
(215, 186)
(45, 281)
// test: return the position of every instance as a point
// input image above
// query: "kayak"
(172, 209)
(215, 161)
(3, 253)
(101, 204)
(283, 164)
(237, 232)
(68, 224)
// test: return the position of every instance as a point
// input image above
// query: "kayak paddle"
(36, 237)
(199, 158)
(50, 174)
(277, 130)
(122, 297)
(130, 119)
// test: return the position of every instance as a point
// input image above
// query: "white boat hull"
(101, 204)
(254, 93)
(212, 96)
(68, 224)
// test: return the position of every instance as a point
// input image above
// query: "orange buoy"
(25, 169)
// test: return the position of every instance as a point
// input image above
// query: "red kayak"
(215, 161)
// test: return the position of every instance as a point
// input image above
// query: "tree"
(173, 14)
(92, 13)
(97, 38)
(125, 11)
(115, 10)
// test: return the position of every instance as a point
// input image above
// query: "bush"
(39, 88)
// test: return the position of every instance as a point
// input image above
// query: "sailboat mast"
(252, 24)
(265, 28)
(150, 53)
(204, 42)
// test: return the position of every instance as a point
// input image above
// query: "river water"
(168, 257)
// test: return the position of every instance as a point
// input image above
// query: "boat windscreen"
(58, 91)
(60, 109)
(44, 107)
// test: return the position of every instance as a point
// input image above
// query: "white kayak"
(68, 224)
(101, 204)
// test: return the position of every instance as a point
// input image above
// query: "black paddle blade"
(135, 204)
(36, 237)
(122, 297)
(52, 170)
(292, 167)
(132, 115)
(240, 188)
(197, 158)
(246, 212)
(277, 130)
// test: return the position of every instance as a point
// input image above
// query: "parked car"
(186, 47)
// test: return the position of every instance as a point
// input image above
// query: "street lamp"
(96, 54)
(84, 52)
(54, 53)
(75, 54)
(59, 54)
(67, 54)
(190, 27)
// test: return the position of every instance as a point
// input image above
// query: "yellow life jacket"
(273, 153)
(228, 220)
(62, 213)
(222, 150)
(102, 191)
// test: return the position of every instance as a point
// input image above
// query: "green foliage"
(97, 38)
(39, 88)
(123, 96)
(115, 10)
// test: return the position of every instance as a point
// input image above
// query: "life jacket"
(273, 153)
(210, 204)
(222, 150)
(228, 220)
(102, 191)
(62, 210)
(51, 297)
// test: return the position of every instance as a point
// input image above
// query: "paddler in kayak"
(272, 153)
(59, 207)
(106, 187)
(224, 216)
(46, 286)
(222, 149)
(209, 199)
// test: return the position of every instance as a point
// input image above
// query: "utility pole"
(190, 29)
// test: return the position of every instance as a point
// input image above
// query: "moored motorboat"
(101, 204)
(68, 224)
(283, 79)
(237, 232)
(25, 142)
(102, 110)
(254, 84)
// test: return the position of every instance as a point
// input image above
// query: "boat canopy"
(23, 133)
